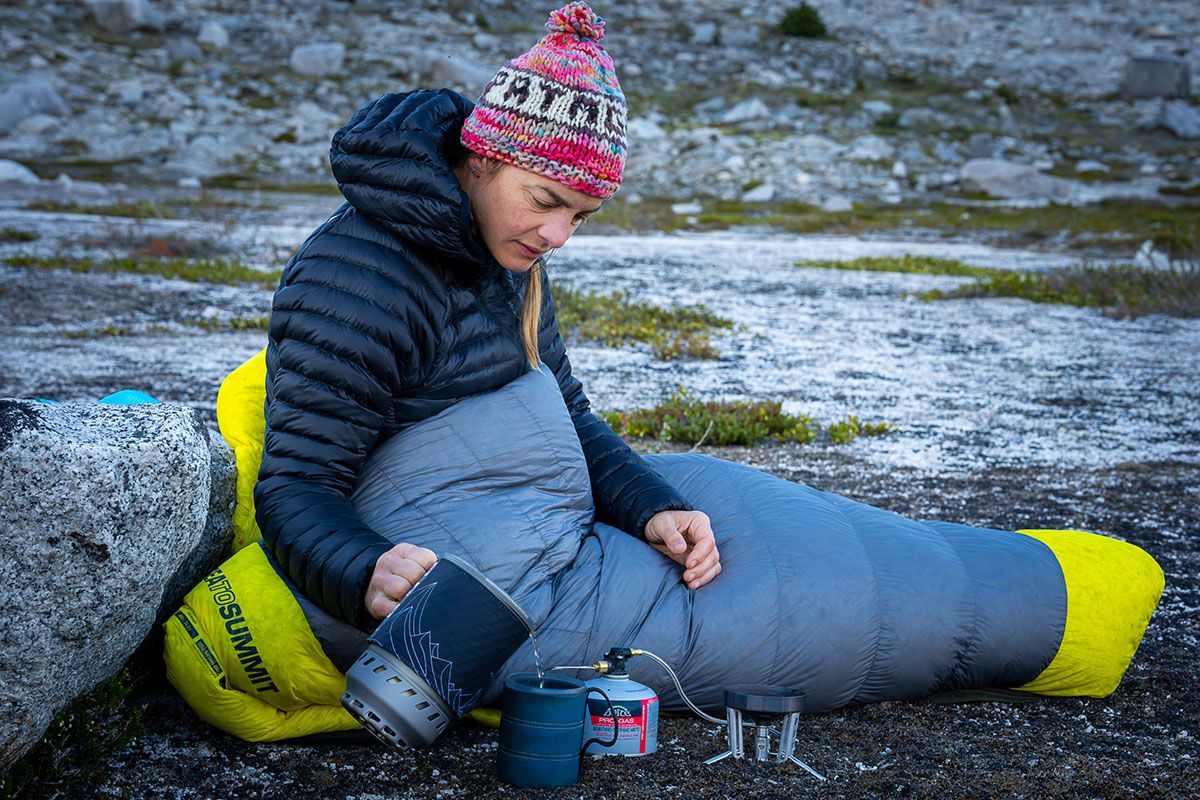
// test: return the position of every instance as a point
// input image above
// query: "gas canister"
(635, 706)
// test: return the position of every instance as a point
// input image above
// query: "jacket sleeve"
(625, 490)
(342, 341)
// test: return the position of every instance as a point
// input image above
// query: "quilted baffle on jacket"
(390, 312)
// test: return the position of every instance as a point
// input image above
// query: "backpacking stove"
(761, 707)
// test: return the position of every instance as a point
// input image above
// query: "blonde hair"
(531, 312)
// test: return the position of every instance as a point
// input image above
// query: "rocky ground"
(1010, 415)
(722, 106)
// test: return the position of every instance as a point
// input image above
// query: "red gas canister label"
(636, 723)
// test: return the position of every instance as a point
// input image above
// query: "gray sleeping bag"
(847, 602)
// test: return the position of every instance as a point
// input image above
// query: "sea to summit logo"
(239, 631)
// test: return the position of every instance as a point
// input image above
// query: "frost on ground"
(970, 384)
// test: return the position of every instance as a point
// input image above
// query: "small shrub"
(1123, 290)
(72, 755)
(928, 265)
(680, 417)
(803, 20)
(888, 123)
(206, 270)
(683, 418)
(616, 320)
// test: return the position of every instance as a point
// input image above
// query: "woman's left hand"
(687, 538)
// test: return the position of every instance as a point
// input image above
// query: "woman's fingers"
(396, 573)
(714, 569)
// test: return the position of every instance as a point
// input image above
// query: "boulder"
(122, 16)
(1179, 119)
(869, 148)
(746, 111)
(12, 172)
(438, 69)
(27, 97)
(997, 177)
(213, 34)
(1156, 76)
(99, 507)
(318, 59)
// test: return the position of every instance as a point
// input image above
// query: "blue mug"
(541, 729)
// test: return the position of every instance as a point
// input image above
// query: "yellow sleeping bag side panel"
(242, 654)
(1112, 589)
(240, 417)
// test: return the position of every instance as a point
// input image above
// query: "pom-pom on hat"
(558, 109)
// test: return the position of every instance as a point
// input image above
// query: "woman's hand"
(687, 538)
(396, 572)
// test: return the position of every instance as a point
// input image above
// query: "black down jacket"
(389, 313)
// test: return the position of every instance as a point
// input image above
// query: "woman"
(427, 287)
(419, 397)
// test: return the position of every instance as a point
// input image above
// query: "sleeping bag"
(847, 602)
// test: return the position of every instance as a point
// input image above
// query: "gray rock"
(99, 505)
(645, 130)
(183, 49)
(999, 178)
(37, 124)
(704, 33)
(12, 172)
(215, 541)
(213, 34)
(318, 58)
(869, 148)
(128, 92)
(24, 98)
(924, 119)
(122, 16)
(1156, 76)
(713, 105)
(836, 202)
(1091, 165)
(440, 69)
(760, 194)
(877, 108)
(944, 151)
(1178, 118)
(745, 111)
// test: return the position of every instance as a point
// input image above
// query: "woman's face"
(521, 214)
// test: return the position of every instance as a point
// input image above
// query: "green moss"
(1122, 290)
(928, 265)
(235, 323)
(888, 123)
(205, 270)
(680, 417)
(1180, 191)
(72, 755)
(615, 320)
(142, 209)
(18, 235)
(248, 181)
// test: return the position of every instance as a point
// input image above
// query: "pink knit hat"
(558, 109)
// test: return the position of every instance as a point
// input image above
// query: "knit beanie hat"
(558, 109)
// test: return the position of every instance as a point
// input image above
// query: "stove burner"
(761, 706)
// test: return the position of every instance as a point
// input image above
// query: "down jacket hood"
(392, 161)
